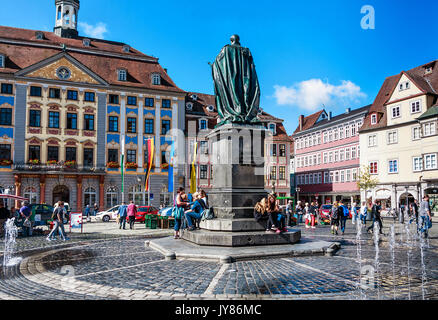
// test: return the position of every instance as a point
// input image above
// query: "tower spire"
(66, 18)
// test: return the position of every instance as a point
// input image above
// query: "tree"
(366, 181)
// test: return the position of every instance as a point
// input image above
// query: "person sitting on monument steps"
(196, 211)
(178, 213)
(273, 212)
(261, 214)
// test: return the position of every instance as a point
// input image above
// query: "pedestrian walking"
(306, 214)
(299, 212)
(334, 218)
(424, 217)
(311, 210)
(25, 213)
(58, 225)
(375, 212)
(414, 211)
(87, 212)
(364, 213)
(178, 211)
(355, 213)
(95, 209)
(122, 212)
(343, 213)
(132, 211)
(289, 212)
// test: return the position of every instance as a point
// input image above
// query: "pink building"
(327, 156)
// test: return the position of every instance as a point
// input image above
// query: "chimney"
(347, 111)
(165, 70)
(329, 116)
(301, 121)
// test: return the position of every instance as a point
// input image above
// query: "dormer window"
(156, 79)
(2, 61)
(374, 118)
(210, 108)
(194, 97)
(121, 74)
(39, 35)
(273, 128)
(189, 106)
(404, 86)
(202, 124)
(86, 42)
(126, 48)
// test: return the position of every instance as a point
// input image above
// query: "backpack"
(207, 214)
(346, 211)
(334, 213)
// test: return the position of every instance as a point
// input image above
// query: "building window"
(341, 132)
(5, 152)
(111, 197)
(54, 93)
(392, 137)
(89, 197)
(165, 126)
(393, 166)
(131, 156)
(34, 153)
(429, 129)
(72, 121)
(113, 155)
(203, 171)
(113, 124)
(6, 88)
(373, 167)
(35, 91)
(70, 154)
(331, 177)
(113, 99)
(31, 194)
(132, 125)
(5, 116)
(372, 140)
(319, 138)
(156, 79)
(137, 195)
(52, 153)
(342, 176)
(282, 150)
(149, 102)
(132, 101)
(53, 119)
(395, 112)
(282, 173)
(354, 175)
(415, 106)
(348, 175)
(330, 157)
(165, 103)
(204, 147)
(163, 157)
(416, 133)
(347, 132)
(336, 153)
(353, 152)
(336, 134)
(336, 176)
(121, 75)
(273, 150)
(330, 136)
(72, 95)
(417, 164)
(373, 118)
(341, 155)
(88, 157)
(273, 173)
(325, 137)
(353, 130)
(89, 97)
(202, 124)
(325, 157)
(347, 154)
(149, 126)
(34, 118)
(272, 128)
(430, 161)
(2, 61)
(89, 122)
(326, 177)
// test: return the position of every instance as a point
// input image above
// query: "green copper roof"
(431, 112)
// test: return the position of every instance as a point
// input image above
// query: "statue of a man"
(236, 84)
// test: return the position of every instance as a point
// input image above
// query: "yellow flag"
(193, 174)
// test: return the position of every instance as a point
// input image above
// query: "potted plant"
(164, 166)
(70, 164)
(5, 162)
(113, 165)
(131, 165)
(52, 162)
(34, 161)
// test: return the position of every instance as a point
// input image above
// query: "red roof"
(309, 121)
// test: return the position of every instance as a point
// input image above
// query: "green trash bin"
(153, 221)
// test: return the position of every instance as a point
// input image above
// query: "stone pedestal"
(237, 155)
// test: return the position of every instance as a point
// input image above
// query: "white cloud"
(312, 94)
(96, 31)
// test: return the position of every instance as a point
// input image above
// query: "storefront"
(433, 199)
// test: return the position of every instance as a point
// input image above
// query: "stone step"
(240, 239)
(232, 225)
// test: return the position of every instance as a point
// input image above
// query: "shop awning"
(10, 196)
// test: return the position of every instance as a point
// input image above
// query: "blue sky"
(307, 53)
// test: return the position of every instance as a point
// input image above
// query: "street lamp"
(298, 189)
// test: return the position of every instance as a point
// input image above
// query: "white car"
(110, 214)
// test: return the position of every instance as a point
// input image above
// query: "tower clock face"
(63, 73)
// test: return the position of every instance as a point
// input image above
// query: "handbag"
(177, 212)
(429, 223)
(27, 223)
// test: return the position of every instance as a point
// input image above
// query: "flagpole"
(122, 164)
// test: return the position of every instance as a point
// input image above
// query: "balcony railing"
(59, 167)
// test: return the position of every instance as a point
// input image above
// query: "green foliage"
(366, 181)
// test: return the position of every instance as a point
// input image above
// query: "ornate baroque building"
(65, 103)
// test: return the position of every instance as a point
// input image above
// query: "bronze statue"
(236, 85)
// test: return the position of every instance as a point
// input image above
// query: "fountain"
(11, 232)
(408, 245)
(376, 230)
(359, 257)
(423, 265)
(392, 246)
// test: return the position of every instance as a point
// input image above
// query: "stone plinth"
(237, 156)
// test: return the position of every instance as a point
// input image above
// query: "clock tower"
(66, 18)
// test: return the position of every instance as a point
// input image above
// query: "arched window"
(156, 79)
(89, 197)
(59, 13)
(67, 17)
(31, 194)
(111, 197)
(74, 16)
(137, 195)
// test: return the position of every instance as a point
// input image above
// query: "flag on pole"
(193, 173)
(150, 160)
(171, 164)
(122, 159)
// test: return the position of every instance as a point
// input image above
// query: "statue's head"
(235, 39)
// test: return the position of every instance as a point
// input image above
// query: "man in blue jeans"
(343, 215)
(25, 213)
(195, 212)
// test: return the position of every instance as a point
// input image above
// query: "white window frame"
(325, 159)
(341, 133)
(122, 75)
(325, 136)
(156, 79)
(434, 157)
(395, 108)
(412, 103)
(275, 129)
(336, 156)
(206, 122)
(373, 118)
(353, 175)
(353, 153)
(420, 162)
(341, 155)
(377, 165)
(374, 140)
(389, 166)
(431, 131)
(330, 157)
(347, 154)
(416, 128)
(389, 134)
(326, 177)
(348, 175)
(342, 176)
(319, 177)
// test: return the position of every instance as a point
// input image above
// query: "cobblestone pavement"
(111, 266)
